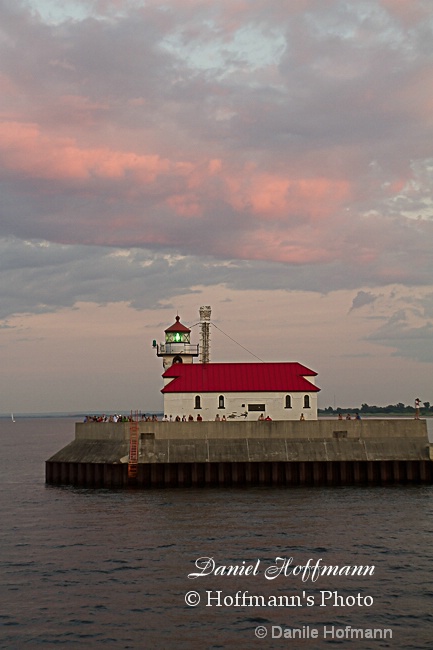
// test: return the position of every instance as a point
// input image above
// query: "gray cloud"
(361, 299)
(407, 341)
(38, 277)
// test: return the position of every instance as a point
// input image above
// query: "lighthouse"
(227, 391)
(177, 347)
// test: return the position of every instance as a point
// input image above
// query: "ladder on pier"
(133, 448)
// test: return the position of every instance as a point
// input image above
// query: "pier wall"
(326, 452)
(159, 475)
(327, 429)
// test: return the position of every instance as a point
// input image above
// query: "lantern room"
(177, 347)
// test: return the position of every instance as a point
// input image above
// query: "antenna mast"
(205, 313)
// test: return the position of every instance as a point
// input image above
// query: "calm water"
(93, 568)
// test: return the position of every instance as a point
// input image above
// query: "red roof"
(177, 327)
(238, 377)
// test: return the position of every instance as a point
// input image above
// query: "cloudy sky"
(270, 158)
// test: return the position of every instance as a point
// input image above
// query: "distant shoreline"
(78, 415)
(160, 415)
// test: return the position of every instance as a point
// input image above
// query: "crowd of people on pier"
(154, 418)
(349, 417)
(121, 418)
(178, 418)
(169, 418)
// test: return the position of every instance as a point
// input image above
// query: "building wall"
(237, 406)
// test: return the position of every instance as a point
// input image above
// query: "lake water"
(90, 569)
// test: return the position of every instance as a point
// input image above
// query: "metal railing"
(177, 348)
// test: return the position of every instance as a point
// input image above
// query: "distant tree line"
(399, 408)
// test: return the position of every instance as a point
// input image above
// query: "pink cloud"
(276, 197)
(158, 201)
(186, 205)
(26, 150)
(277, 217)
(299, 246)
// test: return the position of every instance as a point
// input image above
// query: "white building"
(250, 391)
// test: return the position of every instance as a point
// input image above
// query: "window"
(257, 407)
(288, 402)
(197, 402)
(221, 402)
(306, 401)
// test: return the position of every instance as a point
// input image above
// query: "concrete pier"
(184, 454)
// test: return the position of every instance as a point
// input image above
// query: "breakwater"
(182, 454)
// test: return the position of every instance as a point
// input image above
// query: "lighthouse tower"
(177, 347)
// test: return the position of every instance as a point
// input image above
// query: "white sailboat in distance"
(12, 417)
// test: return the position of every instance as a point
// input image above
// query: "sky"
(272, 159)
